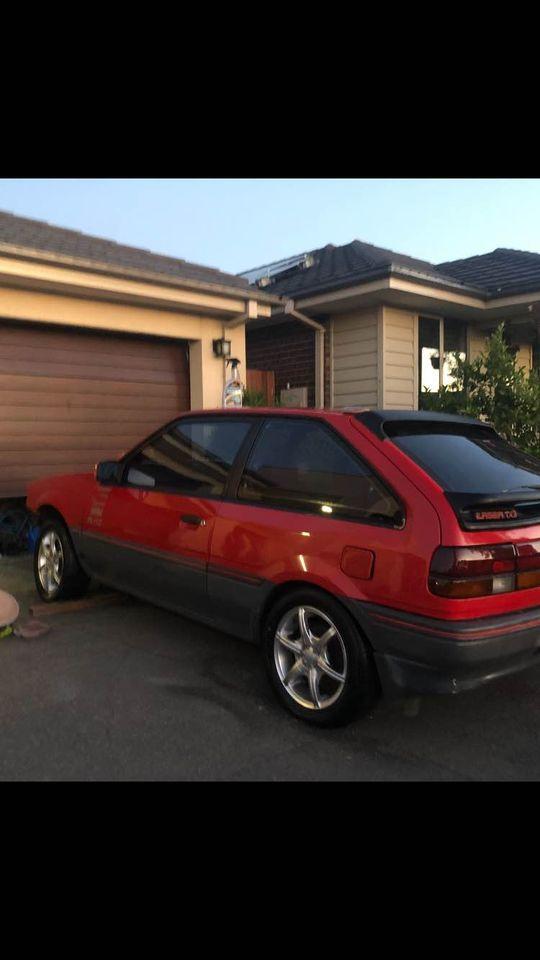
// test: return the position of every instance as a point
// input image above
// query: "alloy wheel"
(50, 562)
(310, 657)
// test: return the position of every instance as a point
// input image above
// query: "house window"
(439, 338)
(455, 346)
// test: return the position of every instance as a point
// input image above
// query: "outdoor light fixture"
(222, 348)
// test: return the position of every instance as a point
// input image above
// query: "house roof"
(489, 275)
(26, 235)
(340, 266)
(501, 272)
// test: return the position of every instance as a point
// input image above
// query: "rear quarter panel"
(453, 535)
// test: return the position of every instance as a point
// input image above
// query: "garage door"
(69, 398)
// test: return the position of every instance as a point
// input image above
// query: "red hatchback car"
(366, 551)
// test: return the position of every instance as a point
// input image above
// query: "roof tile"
(41, 236)
(494, 274)
(502, 271)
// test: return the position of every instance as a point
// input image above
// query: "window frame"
(230, 492)
(443, 352)
(179, 490)
(240, 468)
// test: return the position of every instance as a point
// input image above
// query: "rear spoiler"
(388, 423)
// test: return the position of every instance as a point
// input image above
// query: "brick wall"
(289, 350)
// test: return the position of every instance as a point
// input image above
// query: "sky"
(236, 224)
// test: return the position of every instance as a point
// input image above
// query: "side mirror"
(108, 472)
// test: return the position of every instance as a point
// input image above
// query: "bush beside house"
(494, 387)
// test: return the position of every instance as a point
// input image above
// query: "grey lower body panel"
(421, 655)
(215, 595)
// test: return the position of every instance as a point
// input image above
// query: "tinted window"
(194, 457)
(468, 459)
(301, 465)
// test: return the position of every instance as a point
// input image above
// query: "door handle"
(193, 519)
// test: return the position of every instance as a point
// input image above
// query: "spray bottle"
(233, 391)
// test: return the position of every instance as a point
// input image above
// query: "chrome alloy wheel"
(50, 562)
(310, 657)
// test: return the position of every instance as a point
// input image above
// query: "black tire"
(347, 652)
(72, 580)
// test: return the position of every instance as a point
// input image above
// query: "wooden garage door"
(69, 398)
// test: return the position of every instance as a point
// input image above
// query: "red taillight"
(465, 572)
(528, 565)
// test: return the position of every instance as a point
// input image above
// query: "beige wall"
(374, 353)
(94, 284)
(477, 344)
(375, 357)
(524, 356)
(207, 372)
(398, 373)
(355, 348)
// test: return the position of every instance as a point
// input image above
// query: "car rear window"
(467, 458)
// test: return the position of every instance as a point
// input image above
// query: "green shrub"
(492, 387)
(256, 398)
(253, 398)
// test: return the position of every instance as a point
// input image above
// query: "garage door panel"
(42, 368)
(69, 399)
(73, 385)
(11, 446)
(100, 401)
(83, 414)
(48, 457)
(103, 342)
(29, 354)
(70, 428)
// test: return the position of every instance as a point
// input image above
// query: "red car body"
(224, 560)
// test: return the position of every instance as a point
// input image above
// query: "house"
(361, 325)
(100, 343)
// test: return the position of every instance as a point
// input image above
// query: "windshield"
(464, 459)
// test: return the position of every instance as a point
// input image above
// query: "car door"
(149, 534)
(301, 487)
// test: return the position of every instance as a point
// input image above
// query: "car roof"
(263, 411)
(373, 419)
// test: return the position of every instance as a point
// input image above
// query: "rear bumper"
(420, 655)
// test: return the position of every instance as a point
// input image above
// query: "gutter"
(132, 273)
(290, 311)
(390, 270)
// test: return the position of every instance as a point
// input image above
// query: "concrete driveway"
(131, 692)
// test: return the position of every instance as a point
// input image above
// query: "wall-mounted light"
(222, 347)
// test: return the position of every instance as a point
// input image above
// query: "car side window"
(192, 456)
(302, 465)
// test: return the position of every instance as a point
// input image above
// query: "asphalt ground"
(127, 691)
